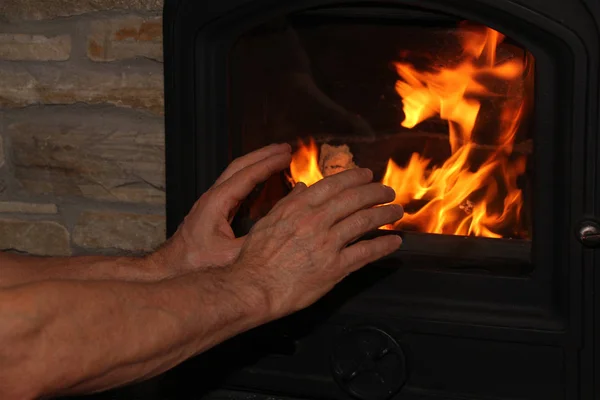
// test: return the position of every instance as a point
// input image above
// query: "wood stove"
(483, 115)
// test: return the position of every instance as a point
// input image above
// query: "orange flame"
(305, 167)
(458, 197)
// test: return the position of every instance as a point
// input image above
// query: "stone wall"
(81, 126)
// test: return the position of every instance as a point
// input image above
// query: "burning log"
(525, 147)
(467, 206)
(335, 159)
(468, 179)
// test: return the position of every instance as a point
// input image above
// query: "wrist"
(176, 257)
(213, 305)
(166, 262)
(258, 296)
(124, 268)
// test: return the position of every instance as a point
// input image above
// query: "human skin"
(205, 240)
(89, 324)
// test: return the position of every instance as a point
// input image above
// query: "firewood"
(335, 159)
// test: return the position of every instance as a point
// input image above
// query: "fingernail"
(299, 187)
(367, 171)
(398, 240)
(399, 209)
(287, 146)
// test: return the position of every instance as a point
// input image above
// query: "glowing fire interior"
(459, 197)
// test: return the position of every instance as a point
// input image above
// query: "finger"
(252, 158)
(235, 189)
(332, 185)
(364, 221)
(354, 199)
(299, 188)
(362, 253)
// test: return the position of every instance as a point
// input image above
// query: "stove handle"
(589, 234)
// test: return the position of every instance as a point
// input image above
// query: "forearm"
(17, 270)
(67, 337)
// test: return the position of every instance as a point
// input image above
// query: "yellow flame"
(454, 199)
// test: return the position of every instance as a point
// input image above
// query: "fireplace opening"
(473, 314)
(439, 108)
(494, 307)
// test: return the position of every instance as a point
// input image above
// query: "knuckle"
(363, 221)
(303, 227)
(298, 223)
(338, 237)
(331, 185)
(288, 207)
(315, 220)
(354, 176)
(325, 186)
(264, 169)
(235, 163)
(208, 197)
(361, 173)
(365, 252)
(287, 227)
(351, 197)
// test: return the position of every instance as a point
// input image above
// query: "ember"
(461, 196)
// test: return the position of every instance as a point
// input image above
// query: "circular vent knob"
(589, 234)
(368, 363)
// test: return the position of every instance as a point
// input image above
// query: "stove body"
(448, 316)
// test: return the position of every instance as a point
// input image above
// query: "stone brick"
(16, 47)
(12, 10)
(27, 208)
(125, 38)
(34, 237)
(59, 84)
(109, 230)
(104, 157)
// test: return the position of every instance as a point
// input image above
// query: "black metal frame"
(551, 309)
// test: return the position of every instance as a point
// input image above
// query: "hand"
(205, 238)
(299, 250)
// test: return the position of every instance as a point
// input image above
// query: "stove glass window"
(438, 108)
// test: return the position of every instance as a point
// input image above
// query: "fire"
(461, 196)
(305, 167)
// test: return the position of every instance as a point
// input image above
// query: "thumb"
(232, 252)
(234, 190)
(299, 188)
(251, 158)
